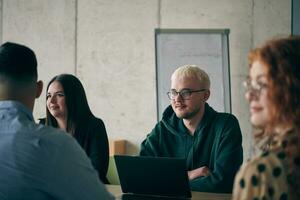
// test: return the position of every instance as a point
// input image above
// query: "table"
(117, 192)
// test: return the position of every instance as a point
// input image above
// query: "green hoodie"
(217, 144)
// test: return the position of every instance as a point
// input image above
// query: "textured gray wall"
(109, 45)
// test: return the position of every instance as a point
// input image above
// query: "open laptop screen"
(158, 176)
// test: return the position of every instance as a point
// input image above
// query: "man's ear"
(206, 95)
(39, 89)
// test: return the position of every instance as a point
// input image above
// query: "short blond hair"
(192, 71)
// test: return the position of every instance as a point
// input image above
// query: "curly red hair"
(282, 58)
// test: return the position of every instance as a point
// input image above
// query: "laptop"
(152, 177)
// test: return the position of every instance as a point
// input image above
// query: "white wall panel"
(116, 62)
(48, 27)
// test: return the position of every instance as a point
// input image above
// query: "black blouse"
(92, 137)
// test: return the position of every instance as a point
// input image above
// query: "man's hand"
(201, 171)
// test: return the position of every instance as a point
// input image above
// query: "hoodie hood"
(172, 122)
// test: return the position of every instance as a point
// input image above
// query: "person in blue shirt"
(36, 161)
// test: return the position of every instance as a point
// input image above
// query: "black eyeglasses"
(255, 87)
(184, 94)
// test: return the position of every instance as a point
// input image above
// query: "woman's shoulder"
(266, 163)
(263, 175)
(95, 121)
(94, 125)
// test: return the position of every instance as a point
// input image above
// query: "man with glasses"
(210, 141)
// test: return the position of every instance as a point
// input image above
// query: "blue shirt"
(40, 162)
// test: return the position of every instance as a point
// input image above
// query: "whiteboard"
(207, 49)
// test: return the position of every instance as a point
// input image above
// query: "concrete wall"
(109, 45)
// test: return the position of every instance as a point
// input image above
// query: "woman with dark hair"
(68, 109)
(273, 92)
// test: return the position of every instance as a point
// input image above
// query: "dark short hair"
(75, 100)
(282, 58)
(17, 62)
